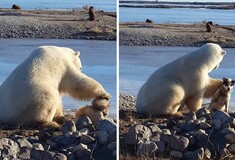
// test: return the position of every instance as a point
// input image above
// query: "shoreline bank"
(48, 24)
(194, 35)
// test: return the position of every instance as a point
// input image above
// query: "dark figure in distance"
(91, 13)
(14, 6)
(208, 26)
(149, 21)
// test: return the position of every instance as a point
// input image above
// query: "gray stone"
(24, 153)
(204, 126)
(8, 148)
(195, 155)
(45, 134)
(81, 150)
(224, 153)
(161, 146)
(166, 131)
(187, 127)
(83, 122)
(231, 148)
(190, 116)
(138, 133)
(221, 115)
(64, 140)
(40, 155)
(52, 143)
(107, 125)
(176, 154)
(38, 146)
(178, 143)
(229, 134)
(102, 137)
(22, 142)
(84, 131)
(155, 137)
(207, 154)
(59, 156)
(154, 128)
(68, 127)
(146, 149)
(202, 112)
(199, 132)
(81, 146)
(112, 146)
(231, 122)
(86, 139)
(217, 124)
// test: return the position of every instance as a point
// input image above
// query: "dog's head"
(228, 84)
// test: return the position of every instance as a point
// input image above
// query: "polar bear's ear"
(77, 53)
(223, 52)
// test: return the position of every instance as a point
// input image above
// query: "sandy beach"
(148, 34)
(70, 24)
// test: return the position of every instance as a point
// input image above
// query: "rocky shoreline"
(47, 24)
(195, 35)
(200, 135)
(80, 139)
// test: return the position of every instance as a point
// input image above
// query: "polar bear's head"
(212, 55)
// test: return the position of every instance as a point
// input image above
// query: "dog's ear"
(233, 81)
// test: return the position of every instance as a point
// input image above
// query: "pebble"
(231, 148)
(86, 139)
(221, 115)
(190, 116)
(176, 154)
(102, 137)
(8, 148)
(68, 127)
(83, 122)
(178, 143)
(146, 149)
(138, 133)
(107, 125)
(195, 155)
(229, 135)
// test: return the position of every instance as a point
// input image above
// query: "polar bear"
(32, 92)
(184, 81)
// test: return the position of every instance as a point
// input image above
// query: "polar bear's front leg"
(194, 103)
(82, 87)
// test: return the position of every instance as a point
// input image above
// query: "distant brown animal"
(91, 13)
(208, 26)
(149, 21)
(14, 6)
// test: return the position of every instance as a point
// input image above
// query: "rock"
(221, 115)
(45, 134)
(22, 142)
(81, 151)
(138, 133)
(40, 155)
(8, 148)
(178, 143)
(24, 153)
(86, 139)
(68, 127)
(38, 146)
(64, 140)
(161, 146)
(231, 122)
(195, 155)
(171, 121)
(207, 154)
(190, 116)
(204, 126)
(155, 137)
(217, 124)
(59, 156)
(176, 154)
(154, 128)
(83, 122)
(223, 153)
(84, 131)
(146, 149)
(199, 132)
(102, 137)
(112, 146)
(231, 148)
(229, 134)
(186, 127)
(202, 112)
(107, 125)
(52, 143)
(166, 131)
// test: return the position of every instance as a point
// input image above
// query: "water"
(177, 15)
(98, 59)
(137, 63)
(106, 5)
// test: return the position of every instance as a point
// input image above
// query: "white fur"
(184, 81)
(32, 92)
